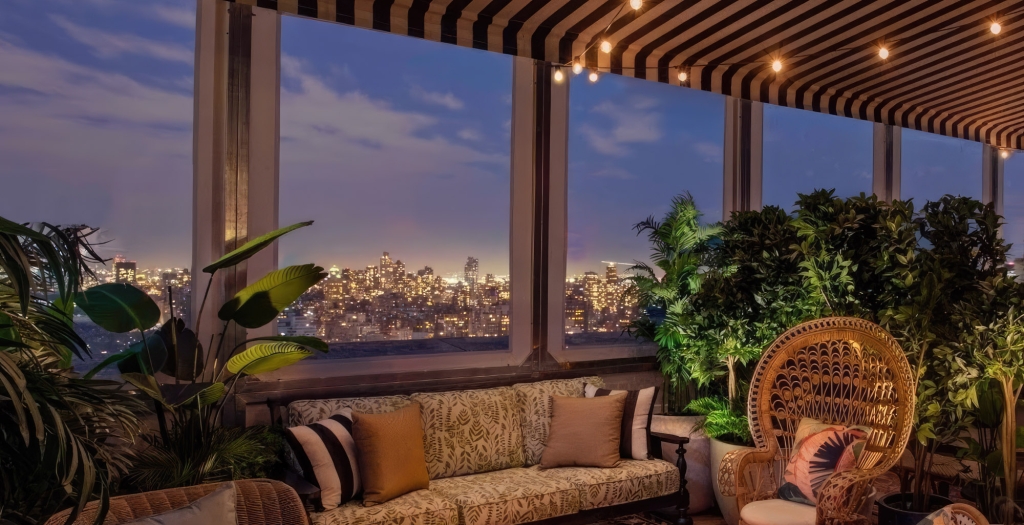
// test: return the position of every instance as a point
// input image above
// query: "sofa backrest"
(313, 410)
(470, 431)
(534, 403)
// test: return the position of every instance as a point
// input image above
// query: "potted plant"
(65, 439)
(192, 445)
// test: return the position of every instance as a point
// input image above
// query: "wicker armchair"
(837, 370)
(259, 502)
(965, 515)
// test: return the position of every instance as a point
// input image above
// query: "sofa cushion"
(778, 512)
(313, 410)
(422, 507)
(534, 403)
(631, 480)
(509, 497)
(471, 431)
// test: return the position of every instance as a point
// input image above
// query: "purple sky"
(388, 142)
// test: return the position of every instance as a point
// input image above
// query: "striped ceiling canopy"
(946, 72)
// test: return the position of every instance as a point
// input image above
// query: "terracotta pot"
(698, 457)
(730, 512)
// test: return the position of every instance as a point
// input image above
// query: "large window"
(398, 148)
(806, 150)
(934, 165)
(95, 129)
(1013, 208)
(633, 145)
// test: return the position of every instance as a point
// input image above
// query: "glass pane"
(96, 129)
(805, 151)
(1013, 208)
(934, 165)
(633, 145)
(406, 171)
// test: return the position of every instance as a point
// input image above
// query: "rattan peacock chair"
(837, 370)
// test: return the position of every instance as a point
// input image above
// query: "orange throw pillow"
(585, 432)
(390, 451)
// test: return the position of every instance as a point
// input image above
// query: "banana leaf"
(309, 342)
(251, 248)
(267, 357)
(118, 308)
(261, 302)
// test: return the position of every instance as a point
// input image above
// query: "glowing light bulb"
(559, 76)
(682, 75)
(593, 76)
(777, 66)
(1004, 153)
(606, 46)
(884, 53)
(636, 4)
(995, 28)
(577, 67)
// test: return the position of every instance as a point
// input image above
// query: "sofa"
(258, 502)
(482, 449)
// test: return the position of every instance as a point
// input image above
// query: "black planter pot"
(892, 508)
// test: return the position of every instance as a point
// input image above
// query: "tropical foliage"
(192, 445)
(63, 439)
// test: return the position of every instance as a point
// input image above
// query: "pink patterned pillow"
(820, 451)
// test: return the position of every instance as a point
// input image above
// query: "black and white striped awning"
(947, 72)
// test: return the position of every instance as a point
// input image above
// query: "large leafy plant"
(192, 445)
(63, 439)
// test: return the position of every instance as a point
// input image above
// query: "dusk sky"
(389, 143)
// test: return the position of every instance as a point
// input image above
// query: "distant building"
(471, 270)
(124, 271)
(295, 323)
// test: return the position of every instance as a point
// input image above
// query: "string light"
(559, 76)
(884, 53)
(995, 28)
(1005, 153)
(777, 65)
(593, 76)
(606, 46)
(636, 4)
(682, 75)
(577, 67)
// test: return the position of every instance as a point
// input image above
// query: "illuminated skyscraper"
(472, 270)
(124, 271)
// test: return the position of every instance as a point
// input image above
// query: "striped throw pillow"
(327, 454)
(636, 418)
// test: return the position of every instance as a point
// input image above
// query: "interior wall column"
(557, 144)
(744, 135)
(235, 152)
(886, 149)
(992, 177)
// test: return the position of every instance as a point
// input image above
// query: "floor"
(708, 518)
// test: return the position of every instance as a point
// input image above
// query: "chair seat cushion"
(778, 512)
(631, 480)
(422, 507)
(509, 497)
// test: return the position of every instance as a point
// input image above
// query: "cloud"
(320, 126)
(630, 123)
(613, 173)
(709, 151)
(183, 17)
(96, 147)
(470, 134)
(447, 100)
(111, 45)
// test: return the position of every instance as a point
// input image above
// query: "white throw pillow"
(215, 508)
(636, 418)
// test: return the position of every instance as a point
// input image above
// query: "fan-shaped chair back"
(837, 370)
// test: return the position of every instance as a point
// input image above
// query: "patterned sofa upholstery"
(482, 449)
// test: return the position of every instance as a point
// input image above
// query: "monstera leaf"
(118, 308)
(267, 357)
(262, 301)
(184, 351)
(251, 248)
